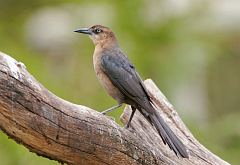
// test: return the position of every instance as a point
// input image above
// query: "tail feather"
(168, 136)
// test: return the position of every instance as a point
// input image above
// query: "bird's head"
(98, 34)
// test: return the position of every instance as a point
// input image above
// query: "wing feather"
(124, 76)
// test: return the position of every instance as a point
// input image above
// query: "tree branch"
(75, 134)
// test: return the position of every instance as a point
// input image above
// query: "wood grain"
(75, 134)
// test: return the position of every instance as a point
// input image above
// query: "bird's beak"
(84, 31)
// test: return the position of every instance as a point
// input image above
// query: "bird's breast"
(105, 81)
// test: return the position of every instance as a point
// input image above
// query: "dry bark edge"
(74, 134)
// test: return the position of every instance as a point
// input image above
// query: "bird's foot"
(126, 126)
(111, 109)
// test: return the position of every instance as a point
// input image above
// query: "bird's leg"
(111, 109)
(131, 116)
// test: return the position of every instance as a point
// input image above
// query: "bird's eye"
(98, 31)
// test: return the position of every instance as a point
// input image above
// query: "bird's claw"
(126, 126)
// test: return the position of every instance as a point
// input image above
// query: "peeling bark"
(75, 134)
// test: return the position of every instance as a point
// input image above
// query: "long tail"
(168, 136)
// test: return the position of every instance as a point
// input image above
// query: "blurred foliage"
(186, 47)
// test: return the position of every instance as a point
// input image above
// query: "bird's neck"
(107, 44)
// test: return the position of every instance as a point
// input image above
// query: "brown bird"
(120, 79)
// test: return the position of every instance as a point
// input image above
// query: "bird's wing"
(124, 76)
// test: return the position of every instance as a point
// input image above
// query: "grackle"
(121, 80)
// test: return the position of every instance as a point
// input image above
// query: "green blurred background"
(191, 49)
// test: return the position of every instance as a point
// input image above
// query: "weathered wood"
(75, 134)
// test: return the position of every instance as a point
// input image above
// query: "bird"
(119, 78)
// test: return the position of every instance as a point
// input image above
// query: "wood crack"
(72, 134)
